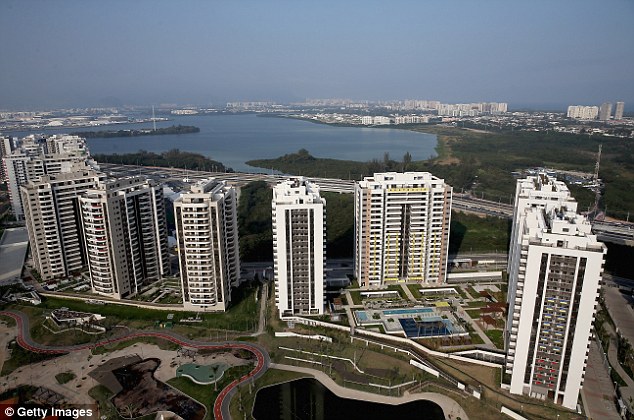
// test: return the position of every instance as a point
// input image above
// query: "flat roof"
(13, 246)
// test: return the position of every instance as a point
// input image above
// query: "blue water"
(408, 311)
(235, 139)
(362, 316)
(428, 328)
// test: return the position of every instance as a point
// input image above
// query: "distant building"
(33, 157)
(618, 113)
(207, 235)
(401, 229)
(605, 111)
(299, 247)
(555, 267)
(581, 112)
(52, 215)
(125, 235)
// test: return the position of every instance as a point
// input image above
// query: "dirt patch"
(143, 394)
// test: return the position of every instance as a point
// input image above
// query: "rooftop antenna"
(153, 119)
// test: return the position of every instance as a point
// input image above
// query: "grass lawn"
(461, 292)
(65, 377)
(247, 399)
(477, 304)
(21, 357)
(239, 317)
(356, 297)
(473, 313)
(206, 394)
(475, 338)
(398, 288)
(415, 290)
(497, 337)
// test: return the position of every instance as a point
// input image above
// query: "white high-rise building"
(620, 108)
(605, 111)
(207, 234)
(52, 215)
(299, 247)
(33, 157)
(125, 235)
(581, 112)
(401, 229)
(555, 267)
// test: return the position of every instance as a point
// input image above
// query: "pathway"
(621, 311)
(450, 407)
(263, 299)
(408, 292)
(221, 405)
(597, 393)
(627, 392)
(465, 315)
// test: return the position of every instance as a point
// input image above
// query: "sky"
(546, 54)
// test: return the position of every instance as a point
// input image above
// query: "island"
(174, 129)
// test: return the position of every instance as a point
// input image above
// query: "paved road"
(597, 393)
(221, 405)
(620, 309)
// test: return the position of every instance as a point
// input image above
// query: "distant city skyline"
(540, 54)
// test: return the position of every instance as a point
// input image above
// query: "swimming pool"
(361, 316)
(408, 311)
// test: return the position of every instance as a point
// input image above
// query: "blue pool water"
(408, 311)
(362, 316)
(428, 328)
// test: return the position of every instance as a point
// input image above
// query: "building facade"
(208, 251)
(53, 221)
(605, 111)
(555, 268)
(32, 157)
(125, 235)
(620, 108)
(299, 247)
(581, 112)
(401, 229)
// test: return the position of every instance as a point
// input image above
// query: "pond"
(308, 399)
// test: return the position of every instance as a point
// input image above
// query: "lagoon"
(235, 139)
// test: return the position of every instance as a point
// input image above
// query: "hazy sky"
(74, 53)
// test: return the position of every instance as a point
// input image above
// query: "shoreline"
(448, 405)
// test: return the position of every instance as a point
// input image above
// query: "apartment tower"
(401, 229)
(125, 235)
(207, 233)
(605, 111)
(618, 113)
(299, 247)
(53, 221)
(33, 157)
(555, 267)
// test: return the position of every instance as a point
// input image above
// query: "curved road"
(221, 405)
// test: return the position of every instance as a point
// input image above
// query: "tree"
(407, 160)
